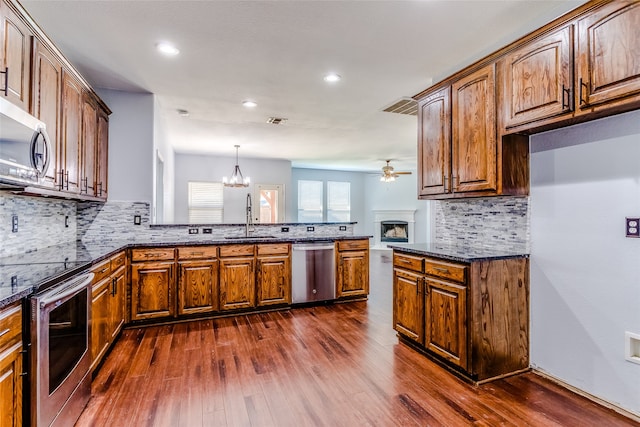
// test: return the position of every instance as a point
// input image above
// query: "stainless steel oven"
(60, 355)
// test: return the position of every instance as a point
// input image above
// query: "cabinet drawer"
(101, 270)
(408, 262)
(274, 249)
(10, 325)
(352, 245)
(236, 250)
(118, 261)
(444, 269)
(198, 252)
(151, 254)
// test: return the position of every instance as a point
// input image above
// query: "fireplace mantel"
(391, 215)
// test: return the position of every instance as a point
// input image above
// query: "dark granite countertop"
(23, 274)
(243, 224)
(461, 252)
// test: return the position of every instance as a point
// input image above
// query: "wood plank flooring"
(335, 365)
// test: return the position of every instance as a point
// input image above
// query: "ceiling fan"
(389, 175)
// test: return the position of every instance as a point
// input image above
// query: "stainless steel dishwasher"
(313, 272)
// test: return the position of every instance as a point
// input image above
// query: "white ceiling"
(276, 53)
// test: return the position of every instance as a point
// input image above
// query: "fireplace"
(394, 231)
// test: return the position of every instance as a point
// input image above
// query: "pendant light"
(236, 180)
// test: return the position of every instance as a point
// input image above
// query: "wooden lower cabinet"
(152, 290)
(237, 283)
(100, 320)
(118, 301)
(273, 280)
(473, 316)
(352, 261)
(197, 286)
(11, 366)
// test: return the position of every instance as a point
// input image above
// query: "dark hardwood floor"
(336, 365)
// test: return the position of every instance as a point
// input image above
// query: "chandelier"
(236, 180)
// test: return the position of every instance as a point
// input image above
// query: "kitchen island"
(466, 307)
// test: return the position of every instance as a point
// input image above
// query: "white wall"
(585, 275)
(401, 194)
(131, 155)
(358, 191)
(164, 150)
(197, 167)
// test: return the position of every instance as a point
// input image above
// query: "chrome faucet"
(248, 228)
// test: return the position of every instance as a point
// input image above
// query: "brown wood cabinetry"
(352, 263)
(538, 79)
(237, 277)
(434, 144)
(152, 284)
(474, 316)
(71, 134)
(47, 93)
(11, 366)
(608, 62)
(273, 283)
(197, 280)
(15, 53)
(102, 156)
(89, 148)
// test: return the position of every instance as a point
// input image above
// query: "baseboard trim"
(598, 400)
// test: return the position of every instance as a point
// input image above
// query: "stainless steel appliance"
(60, 358)
(25, 149)
(313, 272)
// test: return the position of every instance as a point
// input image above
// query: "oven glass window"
(67, 338)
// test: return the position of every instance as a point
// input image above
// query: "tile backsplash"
(490, 221)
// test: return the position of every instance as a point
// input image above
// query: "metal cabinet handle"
(61, 185)
(66, 178)
(197, 253)
(114, 287)
(6, 331)
(566, 94)
(6, 80)
(85, 185)
(582, 85)
(442, 270)
(99, 188)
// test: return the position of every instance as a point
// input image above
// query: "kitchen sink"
(250, 237)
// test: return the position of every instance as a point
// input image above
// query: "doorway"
(270, 203)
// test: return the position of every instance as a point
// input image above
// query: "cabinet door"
(274, 280)
(88, 146)
(408, 304)
(11, 386)
(47, 82)
(538, 79)
(434, 144)
(237, 283)
(15, 57)
(100, 320)
(103, 154)
(609, 55)
(70, 151)
(474, 132)
(353, 273)
(152, 290)
(118, 302)
(198, 287)
(446, 320)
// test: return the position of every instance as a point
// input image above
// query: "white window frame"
(205, 202)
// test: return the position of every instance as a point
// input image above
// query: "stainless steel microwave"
(25, 149)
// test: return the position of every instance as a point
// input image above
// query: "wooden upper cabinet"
(89, 145)
(46, 88)
(608, 69)
(102, 154)
(434, 144)
(70, 150)
(538, 79)
(15, 57)
(474, 162)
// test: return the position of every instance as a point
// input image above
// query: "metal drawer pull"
(104, 269)
(6, 80)
(197, 253)
(6, 331)
(442, 270)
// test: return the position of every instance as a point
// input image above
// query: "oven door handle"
(60, 294)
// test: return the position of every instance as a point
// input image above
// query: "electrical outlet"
(311, 228)
(343, 228)
(193, 231)
(633, 227)
(66, 221)
(207, 230)
(284, 229)
(14, 283)
(14, 223)
(137, 220)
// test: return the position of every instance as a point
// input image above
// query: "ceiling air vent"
(404, 106)
(276, 120)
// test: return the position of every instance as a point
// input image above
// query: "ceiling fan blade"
(403, 173)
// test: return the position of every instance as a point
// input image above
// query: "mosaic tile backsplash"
(492, 221)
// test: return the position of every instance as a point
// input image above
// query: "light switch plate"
(633, 227)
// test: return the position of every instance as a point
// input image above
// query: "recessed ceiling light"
(332, 78)
(249, 104)
(182, 112)
(167, 49)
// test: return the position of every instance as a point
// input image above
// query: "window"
(310, 197)
(205, 202)
(311, 201)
